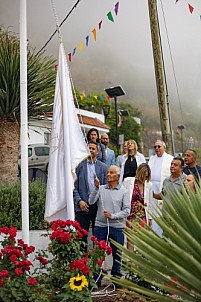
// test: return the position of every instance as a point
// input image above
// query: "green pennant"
(110, 17)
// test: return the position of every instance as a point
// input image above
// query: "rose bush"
(66, 276)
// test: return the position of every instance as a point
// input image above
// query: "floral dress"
(137, 203)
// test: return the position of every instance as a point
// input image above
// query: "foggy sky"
(122, 53)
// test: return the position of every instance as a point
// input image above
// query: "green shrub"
(10, 204)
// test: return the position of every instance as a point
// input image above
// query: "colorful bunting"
(117, 8)
(69, 56)
(101, 97)
(191, 9)
(99, 25)
(95, 96)
(81, 97)
(94, 32)
(87, 41)
(110, 17)
(108, 97)
(80, 47)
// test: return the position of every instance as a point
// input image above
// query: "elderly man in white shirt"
(160, 169)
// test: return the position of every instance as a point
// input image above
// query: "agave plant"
(40, 90)
(172, 263)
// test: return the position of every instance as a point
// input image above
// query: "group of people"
(106, 195)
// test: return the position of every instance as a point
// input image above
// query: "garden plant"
(168, 268)
(65, 275)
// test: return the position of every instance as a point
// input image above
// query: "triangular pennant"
(177, 1)
(95, 97)
(99, 25)
(116, 8)
(80, 47)
(81, 97)
(88, 96)
(108, 97)
(73, 52)
(101, 97)
(74, 96)
(191, 9)
(87, 40)
(69, 56)
(94, 32)
(110, 17)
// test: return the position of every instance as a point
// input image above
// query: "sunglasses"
(157, 146)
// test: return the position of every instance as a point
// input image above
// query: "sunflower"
(77, 283)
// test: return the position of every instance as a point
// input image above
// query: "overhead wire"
(171, 57)
(58, 28)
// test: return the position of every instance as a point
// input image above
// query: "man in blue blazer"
(110, 157)
(86, 172)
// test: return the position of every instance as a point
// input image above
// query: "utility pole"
(160, 77)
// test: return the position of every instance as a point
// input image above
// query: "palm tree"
(170, 265)
(40, 91)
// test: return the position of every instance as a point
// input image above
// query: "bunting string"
(110, 17)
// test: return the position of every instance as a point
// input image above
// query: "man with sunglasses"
(160, 169)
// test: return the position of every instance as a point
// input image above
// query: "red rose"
(81, 266)
(84, 260)
(80, 234)
(4, 274)
(13, 232)
(99, 262)
(54, 226)
(5, 230)
(32, 281)
(18, 271)
(84, 232)
(76, 225)
(1, 282)
(68, 222)
(102, 245)
(109, 250)
(85, 270)
(13, 258)
(93, 238)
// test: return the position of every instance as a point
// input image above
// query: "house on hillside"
(39, 129)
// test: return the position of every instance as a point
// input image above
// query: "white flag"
(67, 148)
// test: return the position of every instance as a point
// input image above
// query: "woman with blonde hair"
(141, 196)
(131, 160)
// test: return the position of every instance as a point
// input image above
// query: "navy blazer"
(81, 191)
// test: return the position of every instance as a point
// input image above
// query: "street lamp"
(114, 92)
(181, 127)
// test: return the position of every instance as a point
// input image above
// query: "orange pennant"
(94, 32)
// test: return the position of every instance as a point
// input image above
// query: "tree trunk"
(9, 150)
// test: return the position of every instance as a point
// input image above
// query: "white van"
(38, 157)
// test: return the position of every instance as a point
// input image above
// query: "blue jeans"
(116, 235)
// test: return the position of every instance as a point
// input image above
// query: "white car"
(38, 157)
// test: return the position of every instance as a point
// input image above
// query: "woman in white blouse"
(141, 196)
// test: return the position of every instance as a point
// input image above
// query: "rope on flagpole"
(56, 19)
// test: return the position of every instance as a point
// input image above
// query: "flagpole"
(24, 119)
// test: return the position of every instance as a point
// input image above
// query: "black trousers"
(85, 218)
